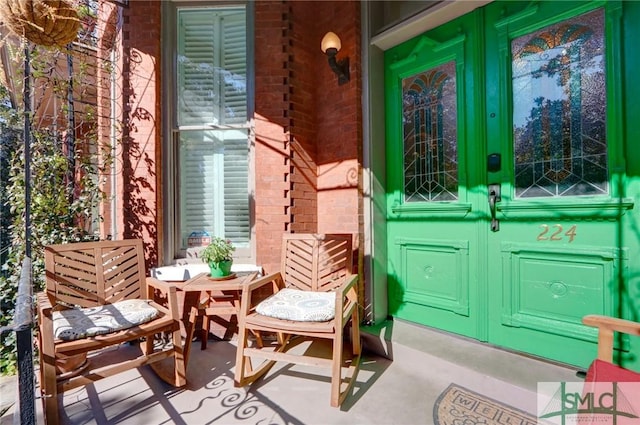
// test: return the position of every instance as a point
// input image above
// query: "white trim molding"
(424, 21)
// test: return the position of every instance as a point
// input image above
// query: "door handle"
(494, 196)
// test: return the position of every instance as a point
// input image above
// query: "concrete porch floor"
(398, 391)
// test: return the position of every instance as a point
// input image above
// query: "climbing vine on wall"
(68, 164)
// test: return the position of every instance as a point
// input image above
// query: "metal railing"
(22, 325)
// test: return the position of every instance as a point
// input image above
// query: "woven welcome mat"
(458, 405)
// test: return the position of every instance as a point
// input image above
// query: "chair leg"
(356, 343)
(179, 360)
(339, 391)
(191, 324)
(147, 345)
(245, 373)
(173, 371)
(259, 342)
(49, 389)
(336, 370)
(241, 365)
(282, 338)
(51, 410)
(204, 336)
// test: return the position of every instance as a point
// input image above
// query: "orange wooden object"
(88, 274)
(310, 262)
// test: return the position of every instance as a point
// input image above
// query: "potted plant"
(219, 255)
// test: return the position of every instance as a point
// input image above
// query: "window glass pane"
(212, 67)
(213, 185)
(429, 115)
(559, 105)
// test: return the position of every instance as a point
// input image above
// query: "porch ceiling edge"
(430, 18)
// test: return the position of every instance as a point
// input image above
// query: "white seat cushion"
(301, 306)
(77, 323)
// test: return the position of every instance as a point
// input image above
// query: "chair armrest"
(45, 325)
(606, 327)
(161, 285)
(246, 301)
(170, 291)
(274, 278)
(346, 299)
(43, 304)
(613, 323)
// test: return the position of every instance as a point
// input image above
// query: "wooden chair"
(602, 371)
(86, 284)
(602, 368)
(315, 266)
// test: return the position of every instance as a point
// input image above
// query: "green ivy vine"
(65, 188)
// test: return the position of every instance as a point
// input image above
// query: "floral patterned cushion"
(77, 323)
(302, 306)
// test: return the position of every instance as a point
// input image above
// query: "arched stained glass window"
(559, 104)
(430, 135)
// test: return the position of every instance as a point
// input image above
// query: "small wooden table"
(205, 297)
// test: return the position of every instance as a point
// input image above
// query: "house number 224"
(556, 232)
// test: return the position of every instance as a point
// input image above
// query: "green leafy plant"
(217, 251)
(65, 187)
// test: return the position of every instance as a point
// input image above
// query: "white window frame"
(172, 249)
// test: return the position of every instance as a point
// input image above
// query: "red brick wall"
(272, 124)
(314, 128)
(339, 123)
(307, 139)
(139, 190)
(303, 50)
(339, 129)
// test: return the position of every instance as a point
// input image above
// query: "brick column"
(272, 131)
(140, 188)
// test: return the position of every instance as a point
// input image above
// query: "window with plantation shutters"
(212, 124)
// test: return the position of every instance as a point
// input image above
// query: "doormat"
(458, 405)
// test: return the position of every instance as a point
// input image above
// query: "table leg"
(219, 304)
(205, 324)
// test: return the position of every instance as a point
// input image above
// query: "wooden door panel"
(436, 273)
(550, 290)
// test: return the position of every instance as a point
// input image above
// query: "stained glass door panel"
(430, 135)
(559, 105)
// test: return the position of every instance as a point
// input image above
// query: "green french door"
(507, 204)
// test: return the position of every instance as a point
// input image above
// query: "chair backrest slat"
(315, 262)
(86, 274)
(123, 288)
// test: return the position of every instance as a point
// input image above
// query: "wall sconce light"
(330, 46)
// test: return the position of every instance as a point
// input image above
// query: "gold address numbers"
(556, 232)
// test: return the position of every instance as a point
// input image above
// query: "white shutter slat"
(212, 89)
(235, 62)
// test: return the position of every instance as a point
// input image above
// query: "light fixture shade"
(330, 40)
